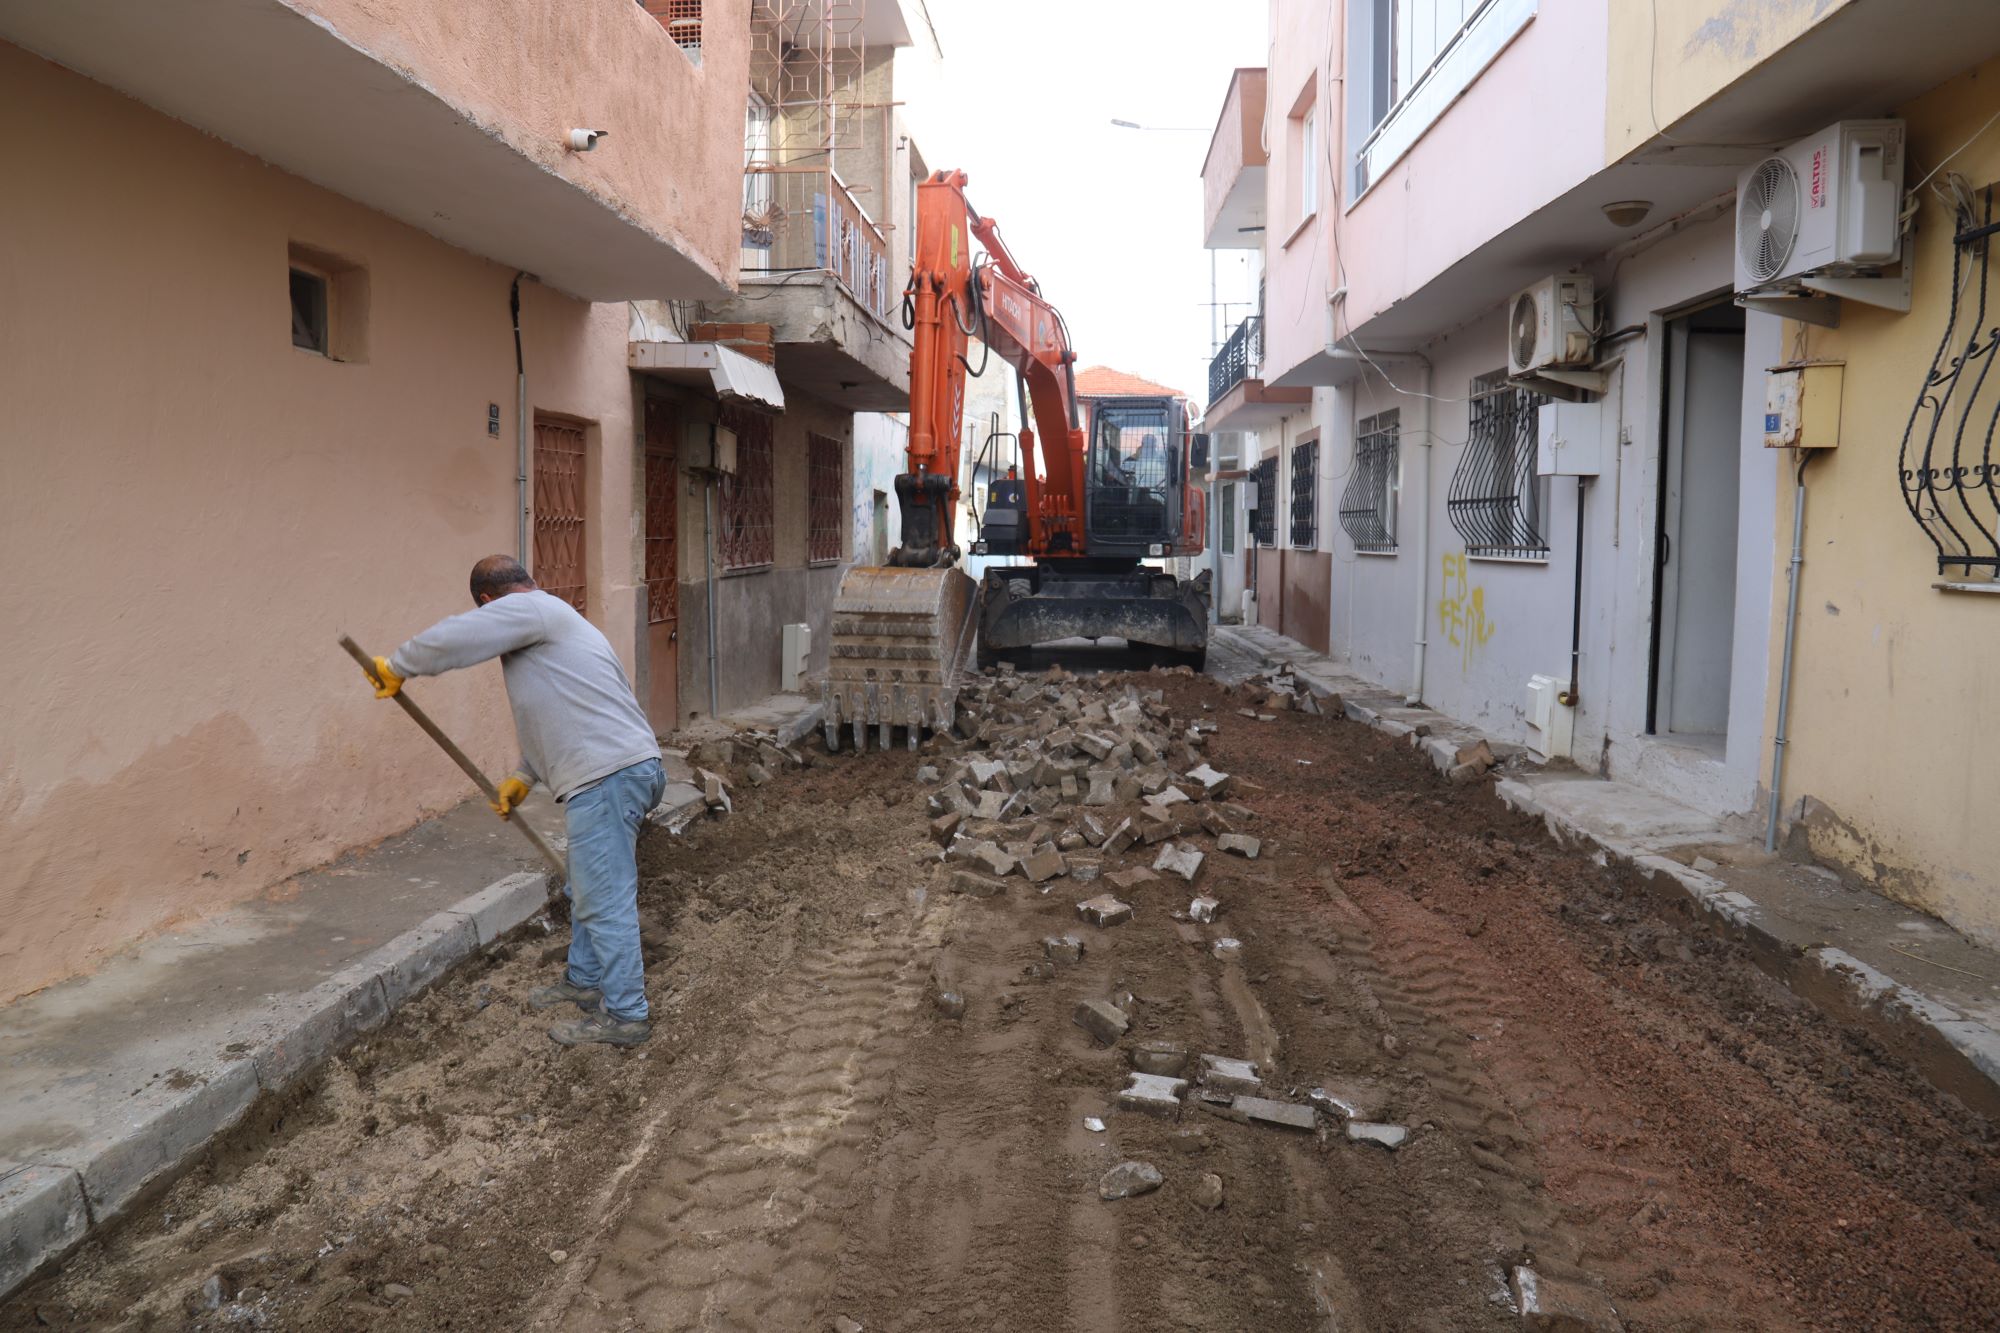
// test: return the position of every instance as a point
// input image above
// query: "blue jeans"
(603, 888)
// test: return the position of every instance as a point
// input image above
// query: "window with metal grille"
(1305, 493)
(744, 521)
(825, 498)
(1950, 478)
(559, 514)
(1229, 518)
(1495, 500)
(662, 515)
(1264, 518)
(682, 20)
(1368, 505)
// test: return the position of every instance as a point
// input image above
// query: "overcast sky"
(1108, 219)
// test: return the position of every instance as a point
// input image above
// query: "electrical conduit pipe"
(1785, 670)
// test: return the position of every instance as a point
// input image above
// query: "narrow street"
(1590, 1087)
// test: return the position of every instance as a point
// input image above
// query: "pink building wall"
(194, 509)
(1468, 179)
(1304, 50)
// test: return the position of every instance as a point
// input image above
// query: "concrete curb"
(48, 1206)
(1956, 1053)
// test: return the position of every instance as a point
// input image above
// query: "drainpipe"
(1422, 509)
(520, 425)
(1568, 698)
(708, 554)
(1785, 670)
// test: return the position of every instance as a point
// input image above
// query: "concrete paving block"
(41, 1215)
(1101, 1019)
(1131, 877)
(1214, 785)
(417, 957)
(1203, 909)
(1227, 949)
(945, 827)
(1265, 1111)
(1044, 863)
(1085, 869)
(1556, 1305)
(1351, 1098)
(1063, 949)
(1104, 910)
(972, 885)
(1230, 1075)
(1093, 830)
(1121, 837)
(1383, 1136)
(1160, 1056)
(1180, 859)
(505, 904)
(1168, 795)
(162, 1126)
(1152, 1094)
(303, 1030)
(1240, 844)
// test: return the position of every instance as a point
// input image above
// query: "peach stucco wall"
(528, 71)
(193, 509)
(1296, 252)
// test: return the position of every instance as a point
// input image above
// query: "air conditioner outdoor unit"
(1823, 217)
(1549, 327)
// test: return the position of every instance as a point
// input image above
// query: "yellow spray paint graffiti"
(1462, 609)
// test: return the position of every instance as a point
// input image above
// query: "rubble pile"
(1095, 783)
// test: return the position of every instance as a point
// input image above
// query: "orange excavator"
(1099, 495)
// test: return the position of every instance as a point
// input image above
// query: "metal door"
(559, 510)
(663, 599)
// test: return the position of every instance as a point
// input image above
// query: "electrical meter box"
(1802, 405)
(1569, 440)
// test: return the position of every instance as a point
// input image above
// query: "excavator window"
(1133, 453)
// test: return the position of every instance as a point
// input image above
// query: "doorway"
(1701, 443)
(560, 523)
(663, 608)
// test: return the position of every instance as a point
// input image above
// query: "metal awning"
(732, 376)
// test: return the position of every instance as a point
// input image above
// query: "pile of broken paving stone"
(1073, 783)
(1070, 780)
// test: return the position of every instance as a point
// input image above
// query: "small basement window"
(329, 298)
(309, 310)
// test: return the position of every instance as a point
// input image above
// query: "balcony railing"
(800, 219)
(1239, 358)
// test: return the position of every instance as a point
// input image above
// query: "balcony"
(1238, 398)
(795, 221)
(1232, 176)
(456, 128)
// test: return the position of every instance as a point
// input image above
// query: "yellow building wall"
(1895, 712)
(1668, 57)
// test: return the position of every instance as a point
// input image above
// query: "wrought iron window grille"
(745, 508)
(825, 498)
(1946, 461)
(1264, 518)
(1305, 493)
(1368, 505)
(1495, 498)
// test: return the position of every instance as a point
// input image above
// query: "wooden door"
(663, 606)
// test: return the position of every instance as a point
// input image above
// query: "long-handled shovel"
(422, 719)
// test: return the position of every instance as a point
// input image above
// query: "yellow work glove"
(387, 682)
(511, 793)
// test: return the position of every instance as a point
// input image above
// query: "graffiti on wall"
(1462, 608)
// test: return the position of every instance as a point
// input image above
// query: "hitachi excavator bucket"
(901, 638)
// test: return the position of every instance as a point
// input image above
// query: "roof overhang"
(286, 86)
(730, 375)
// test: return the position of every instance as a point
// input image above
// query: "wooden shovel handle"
(459, 757)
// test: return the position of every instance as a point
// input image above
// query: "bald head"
(496, 576)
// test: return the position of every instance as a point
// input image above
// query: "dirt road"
(1589, 1087)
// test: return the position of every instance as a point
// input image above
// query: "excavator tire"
(901, 638)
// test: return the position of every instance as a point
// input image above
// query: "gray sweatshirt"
(573, 708)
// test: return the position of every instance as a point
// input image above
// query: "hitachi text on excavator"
(1099, 494)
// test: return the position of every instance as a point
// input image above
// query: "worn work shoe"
(586, 998)
(602, 1027)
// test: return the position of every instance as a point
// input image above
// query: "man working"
(583, 734)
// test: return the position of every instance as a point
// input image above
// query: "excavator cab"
(1132, 485)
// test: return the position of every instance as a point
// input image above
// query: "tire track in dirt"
(734, 1224)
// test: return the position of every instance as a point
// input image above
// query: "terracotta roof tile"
(1104, 382)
